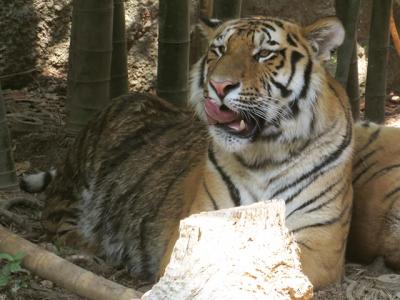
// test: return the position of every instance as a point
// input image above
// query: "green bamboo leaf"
(15, 267)
(6, 256)
(4, 280)
(5, 271)
(19, 256)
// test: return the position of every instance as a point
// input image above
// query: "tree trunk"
(347, 67)
(8, 177)
(227, 9)
(238, 253)
(119, 66)
(375, 92)
(173, 51)
(89, 78)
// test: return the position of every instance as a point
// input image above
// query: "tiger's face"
(259, 73)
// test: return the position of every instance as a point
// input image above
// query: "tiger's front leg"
(322, 249)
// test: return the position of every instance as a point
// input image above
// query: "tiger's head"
(260, 78)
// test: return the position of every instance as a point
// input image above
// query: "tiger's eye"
(263, 53)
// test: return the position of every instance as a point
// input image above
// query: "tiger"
(269, 122)
(375, 228)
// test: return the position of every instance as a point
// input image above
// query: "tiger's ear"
(208, 26)
(325, 36)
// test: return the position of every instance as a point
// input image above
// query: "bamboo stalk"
(352, 87)
(63, 273)
(375, 92)
(198, 42)
(119, 64)
(8, 177)
(70, 82)
(347, 11)
(173, 51)
(89, 78)
(227, 9)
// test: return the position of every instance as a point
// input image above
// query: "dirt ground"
(36, 115)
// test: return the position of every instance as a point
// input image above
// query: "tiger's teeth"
(242, 125)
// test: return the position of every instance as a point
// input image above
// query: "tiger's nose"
(222, 88)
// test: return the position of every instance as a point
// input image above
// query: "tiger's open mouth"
(231, 121)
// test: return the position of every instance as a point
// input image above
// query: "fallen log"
(238, 253)
(63, 273)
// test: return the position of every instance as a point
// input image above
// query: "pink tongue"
(215, 115)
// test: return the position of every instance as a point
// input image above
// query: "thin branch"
(18, 73)
(394, 33)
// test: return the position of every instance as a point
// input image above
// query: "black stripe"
(304, 245)
(382, 171)
(270, 27)
(312, 122)
(371, 139)
(202, 67)
(294, 59)
(325, 203)
(307, 78)
(284, 91)
(134, 141)
(271, 137)
(331, 158)
(136, 187)
(290, 40)
(47, 179)
(392, 192)
(272, 42)
(278, 67)
(326, 223)
(254, 166)
(266, 32)
(294, 107)
(364, 171)
(278, 23)
(313, 199)
(233, 191)
(153, 213)
(300, 151)
(145, 258)
(295, 194)
(214, 203)
(364, 158)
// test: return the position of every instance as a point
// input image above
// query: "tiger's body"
(279, 127)
(375, 229)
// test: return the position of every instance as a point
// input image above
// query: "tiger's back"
(95, 202)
